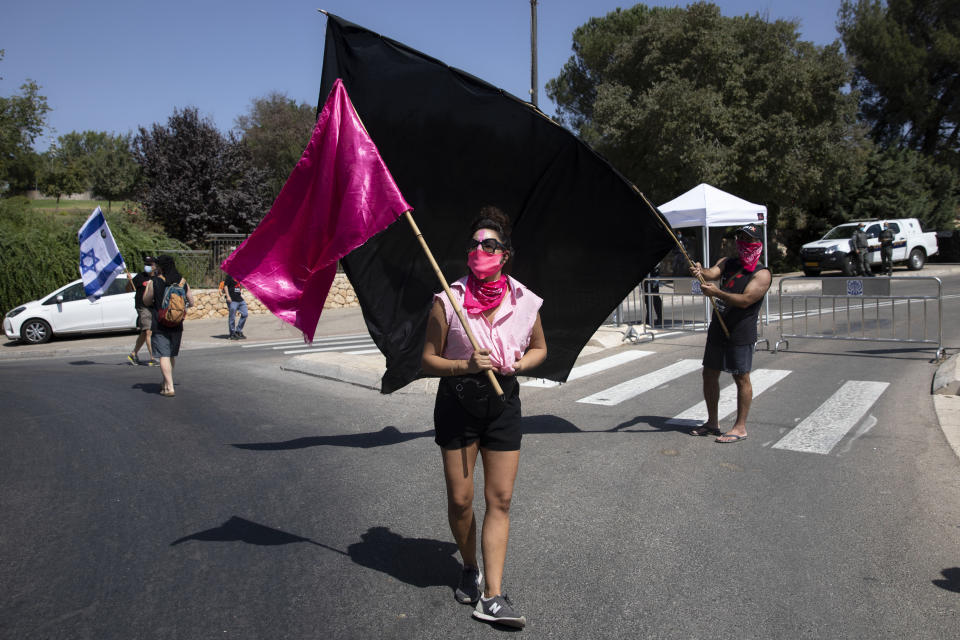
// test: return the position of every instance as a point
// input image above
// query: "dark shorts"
(165, 344)
(495, 429)
(732, 358)
(144, 319)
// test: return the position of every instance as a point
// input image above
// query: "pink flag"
(339, 195)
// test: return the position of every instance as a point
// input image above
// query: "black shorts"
(495, 424)
(732, 358)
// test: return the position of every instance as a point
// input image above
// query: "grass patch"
(85, 207)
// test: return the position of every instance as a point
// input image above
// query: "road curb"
(948, 414)
(946, 402)
(362, 371)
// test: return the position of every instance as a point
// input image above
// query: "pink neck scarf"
(749, 254)
(481, 295)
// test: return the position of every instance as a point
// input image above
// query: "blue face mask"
(147, 268)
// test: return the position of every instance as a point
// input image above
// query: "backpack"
(173, 307)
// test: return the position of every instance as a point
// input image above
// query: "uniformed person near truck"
(886, 249)
(861, 251)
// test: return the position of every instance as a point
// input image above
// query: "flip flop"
(168, 394)
(704, 430)
(735, 437)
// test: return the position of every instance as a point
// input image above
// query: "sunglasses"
(488, 245)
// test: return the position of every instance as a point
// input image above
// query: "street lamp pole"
(533, 52)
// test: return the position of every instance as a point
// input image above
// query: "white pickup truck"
(911, 245)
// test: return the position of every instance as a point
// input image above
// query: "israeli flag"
(100, 260)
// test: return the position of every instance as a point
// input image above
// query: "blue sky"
(114, 65)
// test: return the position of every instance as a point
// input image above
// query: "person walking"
(742, 283)
(166, 339)
(469, 419)
(233, 292)
(886, 248)
(138, 284)
(861, 251)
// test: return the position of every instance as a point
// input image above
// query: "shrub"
(39, 250)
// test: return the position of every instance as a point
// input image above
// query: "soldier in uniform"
(860, 246)
(886, 249)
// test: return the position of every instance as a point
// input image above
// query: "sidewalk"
(198, 334)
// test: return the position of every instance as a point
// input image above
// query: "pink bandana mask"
(483, 265)
(481, 296)
(749, 253)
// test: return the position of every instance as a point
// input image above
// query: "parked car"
(910, 245)
(67, 310)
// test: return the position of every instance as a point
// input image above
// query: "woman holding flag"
(469, 418)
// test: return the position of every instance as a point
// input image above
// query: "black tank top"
(742, 323)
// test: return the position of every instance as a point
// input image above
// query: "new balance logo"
(495, 608)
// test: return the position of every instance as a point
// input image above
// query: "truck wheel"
(811, 273)
(849, 268)
(916, 260)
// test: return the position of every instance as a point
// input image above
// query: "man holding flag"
(100, 260)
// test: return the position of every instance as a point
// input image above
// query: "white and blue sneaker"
(468, 591)
(499, 610)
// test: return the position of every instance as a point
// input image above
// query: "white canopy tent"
(705, 207)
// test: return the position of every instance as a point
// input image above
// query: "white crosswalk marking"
(332, 340)
(827, 425)
(346, 347)
(271, 344)
(591, 368)
(760, 380)
(356, 344)
(632, 388)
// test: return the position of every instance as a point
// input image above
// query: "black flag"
(582, 235)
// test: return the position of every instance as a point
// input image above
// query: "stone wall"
(210, 303)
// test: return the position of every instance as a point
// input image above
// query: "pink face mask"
(749, 253)
(483, 265)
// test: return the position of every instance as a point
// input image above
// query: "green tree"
(109, 167)
(22, 119)
(277, 131)
(675, 97)
(113, 169)
(904, 183)
(195, 181)
(906, 56)
(61, 174)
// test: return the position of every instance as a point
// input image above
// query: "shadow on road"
(951, 581)
(656, 424)
(546, 424)
(384, 437)
(148, 387)
(420, 562)
(531, 425)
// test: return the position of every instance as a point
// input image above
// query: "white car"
(67, 310)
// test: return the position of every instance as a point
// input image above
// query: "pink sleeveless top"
(507, 337)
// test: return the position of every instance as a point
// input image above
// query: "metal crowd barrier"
(684, 308)
(863, 309)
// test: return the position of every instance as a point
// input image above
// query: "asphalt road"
(261, 503)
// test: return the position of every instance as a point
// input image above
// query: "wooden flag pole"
(453, 300)
(659, 216)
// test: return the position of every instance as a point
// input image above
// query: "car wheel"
(811, 273)
(916, 260)
(36, 331)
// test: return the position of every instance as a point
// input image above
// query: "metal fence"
(895, 309)
(681, 305)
